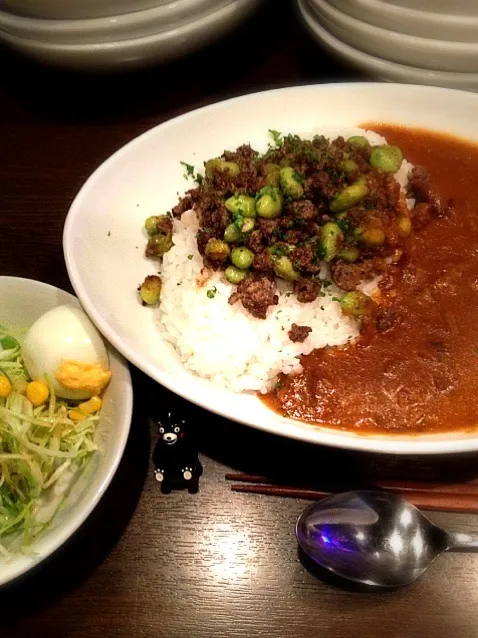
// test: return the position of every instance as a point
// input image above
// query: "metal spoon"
(374, 537)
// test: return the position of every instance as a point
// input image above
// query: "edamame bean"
(217, 250)
(150, 290)
(247, 225)
(331, 238)
(150, 224)
(283, 268)
(220, 165)
(270, 202)
(385, 158)
(234, 275)
(272, 172)
(161, 224)
(290, 184)
(348, 166)
(241, 205)
(360, 142)
(349, 196)
(356, 304)
(242, 257)
(232, 234)
(349, 253)
(158, 245)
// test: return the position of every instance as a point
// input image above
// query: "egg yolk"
(86, 377)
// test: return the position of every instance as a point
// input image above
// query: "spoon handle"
(459, 541)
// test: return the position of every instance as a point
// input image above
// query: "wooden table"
(215, 563)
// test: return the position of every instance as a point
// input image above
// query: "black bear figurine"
(175, 456)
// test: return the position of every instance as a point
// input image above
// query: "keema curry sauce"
(418, 371)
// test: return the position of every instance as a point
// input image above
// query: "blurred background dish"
(161, 46)
(440, 55)
(377, 66)
(72, 9)
(467, 8)
(109, 29)
(413, 21)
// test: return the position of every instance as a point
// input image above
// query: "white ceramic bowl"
(410, 20)
(103, 236)
(72, 9)
(137, 52)
(110, 29)
(383, 69)
(22, 301)
(441, 55)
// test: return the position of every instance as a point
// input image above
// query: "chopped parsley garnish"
(294, 143)
(320, 252)
(197, 177)
(277, 137)
(278, 250)
(343, 224)
(238, 221)
(189, 170)
(190, 257)
(268, 190)
(335, 299)
(311, 155)
(211, 293)
(326, 283)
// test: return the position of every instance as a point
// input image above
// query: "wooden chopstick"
(462, 497)
(444, 502)
(398, 486)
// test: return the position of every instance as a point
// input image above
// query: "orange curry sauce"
(422, 374)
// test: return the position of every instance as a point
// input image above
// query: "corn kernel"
(91, 406)
(37, 392)
(5, 386)
(75, 415)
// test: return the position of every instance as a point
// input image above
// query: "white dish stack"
(108, 34)
(414, 41)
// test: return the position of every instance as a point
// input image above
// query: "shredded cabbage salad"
(41, 451)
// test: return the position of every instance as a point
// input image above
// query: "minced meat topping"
(282, 214)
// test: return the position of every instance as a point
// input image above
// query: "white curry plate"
(104, 241)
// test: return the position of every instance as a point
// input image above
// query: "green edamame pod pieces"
(349, 196)
(290, 183)
(235, 275)
(241, 205)
(331, 238)
(385, 158)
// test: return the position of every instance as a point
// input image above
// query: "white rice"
(223, 342)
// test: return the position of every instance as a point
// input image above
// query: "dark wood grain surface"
(216, 563)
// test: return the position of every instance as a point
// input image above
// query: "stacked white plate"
(107, 34)
(414, 41)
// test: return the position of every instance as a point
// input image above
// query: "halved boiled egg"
(64, 348)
